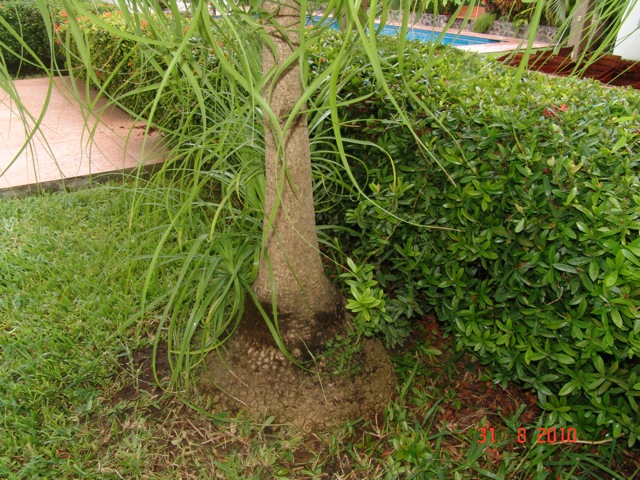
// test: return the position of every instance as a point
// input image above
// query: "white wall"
(628, 43)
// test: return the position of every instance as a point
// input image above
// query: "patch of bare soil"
(461, 378)
(175, 437)
(185, 443)
(141, 366)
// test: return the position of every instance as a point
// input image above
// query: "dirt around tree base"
(265, 383)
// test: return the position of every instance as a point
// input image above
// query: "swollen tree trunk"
(252, 372)
(291, 271)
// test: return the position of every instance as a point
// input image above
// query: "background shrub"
(484, 22)
(24, 21)
(507, 9)
(122, 69)
(132, 74)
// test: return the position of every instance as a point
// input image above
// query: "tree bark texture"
(307, 303)
(250, 372)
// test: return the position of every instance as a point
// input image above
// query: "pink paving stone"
(76, 141)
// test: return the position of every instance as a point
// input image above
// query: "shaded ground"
(460, 376)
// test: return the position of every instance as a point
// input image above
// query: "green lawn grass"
(64, 292)
(78, 399)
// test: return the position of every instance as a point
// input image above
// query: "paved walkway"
(73, 144)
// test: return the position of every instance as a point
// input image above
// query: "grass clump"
(484, 22)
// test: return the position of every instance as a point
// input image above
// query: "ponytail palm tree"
(291, 290)
(255, 312)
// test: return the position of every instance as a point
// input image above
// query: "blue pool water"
(432, 36)
(429, 35)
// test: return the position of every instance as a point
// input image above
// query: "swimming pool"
(432, 36)
(426, 35)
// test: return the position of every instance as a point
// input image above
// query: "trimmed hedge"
(22, 22)
(531, 257)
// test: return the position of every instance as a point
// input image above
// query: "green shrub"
(120, 67)
(25, 43)
(441, 7)
(484, 22)
(23, 20)
(529, 249)
(131, 73)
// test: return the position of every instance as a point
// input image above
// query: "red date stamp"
(540, 436)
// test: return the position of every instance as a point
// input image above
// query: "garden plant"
(438, 187)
